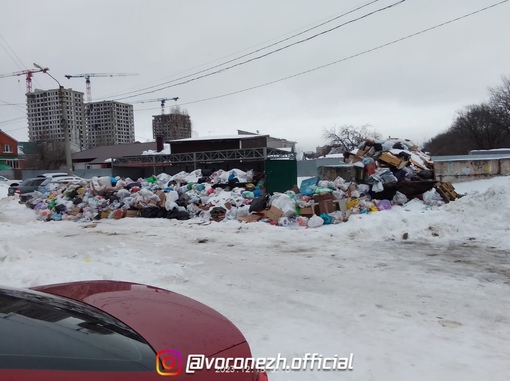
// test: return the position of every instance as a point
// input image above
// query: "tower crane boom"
(29, 73)
(87, 77)
(162, 100)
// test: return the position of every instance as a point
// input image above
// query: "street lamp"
(63, 122)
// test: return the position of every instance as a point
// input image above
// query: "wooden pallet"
(446, 191)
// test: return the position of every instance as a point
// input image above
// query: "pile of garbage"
(181, 196)
(218, 196)
(391, 161)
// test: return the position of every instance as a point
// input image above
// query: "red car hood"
(167, 320)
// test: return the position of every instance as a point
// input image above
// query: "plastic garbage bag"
(383, 205)
(364, 188)
(283, 221)
(432, 198)
(285, 204)
(315, 222)
(326, 218)
(399, 198)
(377, 187)
(302, 221)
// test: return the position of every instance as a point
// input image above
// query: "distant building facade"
(45, 115)
(109, 123)
(9, 155)
(273, 142)
(171, 126)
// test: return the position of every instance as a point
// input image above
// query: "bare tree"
(500, 95)
(50, 154)
(347, 138)
(178, 110)
(479, 124)
(500, 103)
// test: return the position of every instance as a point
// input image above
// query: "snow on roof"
(166, 151)
(471, 157)
(221, 137)
(489, 151)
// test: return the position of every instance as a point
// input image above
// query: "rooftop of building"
(221, 137)
(103, 153)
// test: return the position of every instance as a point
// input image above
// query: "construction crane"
(87, 79)
(162, 100)
(28, 73)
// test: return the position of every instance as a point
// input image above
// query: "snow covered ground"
(433, 306)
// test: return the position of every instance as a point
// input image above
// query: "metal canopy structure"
(157, 160)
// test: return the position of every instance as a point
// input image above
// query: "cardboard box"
(368, 151)
(75, 211)
(392, 160)
(324, 203)
(361, 153)
(306, 212)
(274, 213)
(325, 206)
(162, 197)
(132, 213)
(254, 217)
(105, 213)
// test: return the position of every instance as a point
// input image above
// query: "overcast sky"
(411, 89)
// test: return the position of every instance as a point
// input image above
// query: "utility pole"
(64, 125)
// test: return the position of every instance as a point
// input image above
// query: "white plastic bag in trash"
(364, 188)
(399, 198)
(285, 204)
(377, 187)
(315, 221)
(431, 197)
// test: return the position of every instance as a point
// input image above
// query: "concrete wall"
(467, 170)
(9, 173)
(310, 168)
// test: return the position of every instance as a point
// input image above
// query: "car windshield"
(26, 182)
(42, 331)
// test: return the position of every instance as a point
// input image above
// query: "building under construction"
(171, 126)
(109, 123)
(45, 117)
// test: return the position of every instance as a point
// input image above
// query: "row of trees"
(476, 127)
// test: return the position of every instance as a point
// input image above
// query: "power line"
(18, 105)
(13, 52)
(3, 122)
(252, 52)
(9, 54)
(15, 129)
(271, 52)
(344, 59)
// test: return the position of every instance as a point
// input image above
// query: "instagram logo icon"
(169, 362)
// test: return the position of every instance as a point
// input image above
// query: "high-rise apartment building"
(44, 111)
(171, 126)
(109, 123)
